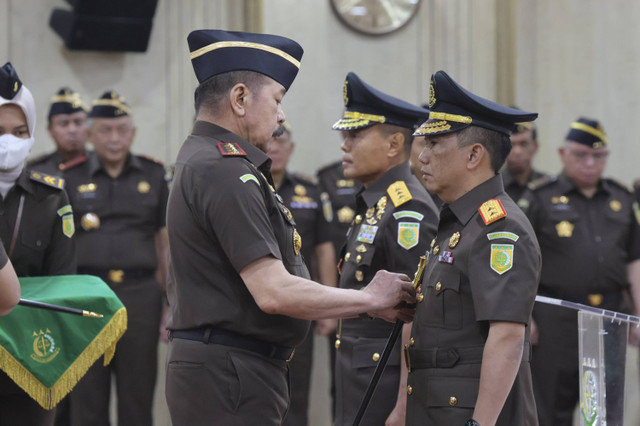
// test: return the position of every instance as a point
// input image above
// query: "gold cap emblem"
(345, 93)
(90, 221)
(432, 95)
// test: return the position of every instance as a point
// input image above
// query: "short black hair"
(211, 91)
(497, 144)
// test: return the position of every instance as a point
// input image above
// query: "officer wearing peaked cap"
(468, 353)
(587, 226)
(394, 223)
(36, 227)
(240, 297)
(67, 121)
(119, 200)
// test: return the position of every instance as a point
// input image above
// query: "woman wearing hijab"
(36, 223)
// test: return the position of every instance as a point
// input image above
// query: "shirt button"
(438, 286)
(375, 357)
(409, 390)
(412, 342)
(453, 401)
(420, 297)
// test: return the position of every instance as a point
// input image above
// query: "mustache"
(278, 132)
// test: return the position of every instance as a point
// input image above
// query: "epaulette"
(491, 211)
(230, 149)
(72, 163)
(53, 181)
(399, 193)
(541, 182)
(306, 178)
(619, 184)
(151, 159)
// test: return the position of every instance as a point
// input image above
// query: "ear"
(476, 155)
(238, 99)
(396, 144)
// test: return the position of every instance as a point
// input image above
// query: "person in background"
(119, 201)
(37, 226)
(67, 126)
(302, 196)
(518, 171)
(395, 219)
(589, 234)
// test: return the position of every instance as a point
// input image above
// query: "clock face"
(375, 16)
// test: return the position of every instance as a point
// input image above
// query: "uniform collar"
(566, 185)
(377, 189)
(254, 154)
(95, 165)
(24, 181)
(466, 206)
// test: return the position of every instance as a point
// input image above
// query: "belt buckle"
(291, 356)
(116, 275)
(407, 357)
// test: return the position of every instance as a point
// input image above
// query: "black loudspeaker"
(114, 25)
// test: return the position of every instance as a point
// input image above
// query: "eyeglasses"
(582, 156)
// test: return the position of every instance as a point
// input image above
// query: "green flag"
(47, 352)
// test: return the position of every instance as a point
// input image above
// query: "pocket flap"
(452, 392)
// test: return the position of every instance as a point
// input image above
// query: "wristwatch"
(471, 422)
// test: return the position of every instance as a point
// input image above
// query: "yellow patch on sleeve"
(399, 193)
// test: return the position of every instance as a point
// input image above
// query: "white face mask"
(13, 151)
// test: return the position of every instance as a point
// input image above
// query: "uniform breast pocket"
(458, 393)
(35, 239)
(442, 299)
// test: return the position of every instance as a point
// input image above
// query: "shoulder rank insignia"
(54, 181)
(229, 149)
(399, 193)
(491, 211)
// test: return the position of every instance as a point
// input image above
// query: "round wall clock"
(375, 16)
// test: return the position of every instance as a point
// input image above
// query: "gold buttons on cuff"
(420, 297)
(375, 357)
(438, 286)
(453, 401)
(412, 342)
(409, 390)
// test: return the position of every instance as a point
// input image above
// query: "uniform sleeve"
(60, 257)
(324, 209)
(504, 272)
(409, 233)
(228, 198)
(633, 246)
(162, 202)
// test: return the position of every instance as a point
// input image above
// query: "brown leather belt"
(417, 359)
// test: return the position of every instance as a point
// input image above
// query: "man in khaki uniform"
(468, 351)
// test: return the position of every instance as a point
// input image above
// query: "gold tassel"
(48, 398)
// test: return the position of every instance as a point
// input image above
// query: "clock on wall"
(375, 16)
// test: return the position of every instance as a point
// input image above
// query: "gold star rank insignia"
(491, 211)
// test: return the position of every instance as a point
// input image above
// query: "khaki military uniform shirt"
(223, 214)
(394, 223)
(481, 267)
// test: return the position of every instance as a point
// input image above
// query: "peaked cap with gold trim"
(66, 101)
(452, 108)
(366, 106)
(587, 132)
(215, 52)
(110, 105)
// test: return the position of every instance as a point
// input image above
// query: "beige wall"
(564, 59)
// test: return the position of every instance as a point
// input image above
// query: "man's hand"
(390, 294)
(634, 335)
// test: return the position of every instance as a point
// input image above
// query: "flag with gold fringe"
(47, 352)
